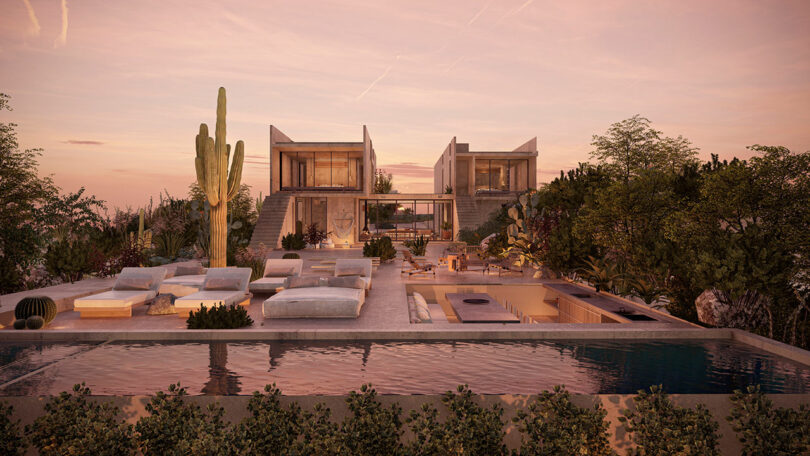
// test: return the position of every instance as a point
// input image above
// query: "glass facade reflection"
(406, 219)
(321, 171)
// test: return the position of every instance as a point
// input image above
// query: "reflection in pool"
(332, 368)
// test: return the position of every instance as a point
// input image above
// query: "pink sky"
(114, 91)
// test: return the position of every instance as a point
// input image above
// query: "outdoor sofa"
(359, 267)
(227, 286)
(276, 272)
(316, 297)
(133, 287)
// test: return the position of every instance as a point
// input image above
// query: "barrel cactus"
(36, 305)
(34, 322)
(219, 185)
(19, 323)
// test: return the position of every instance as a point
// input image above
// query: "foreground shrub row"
(550, 425)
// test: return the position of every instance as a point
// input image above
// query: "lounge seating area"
(133, 287)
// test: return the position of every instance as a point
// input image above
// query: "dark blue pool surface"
(333, 368)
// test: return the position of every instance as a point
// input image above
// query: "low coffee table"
(479, 308)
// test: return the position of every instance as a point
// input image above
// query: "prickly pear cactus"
(219, 184)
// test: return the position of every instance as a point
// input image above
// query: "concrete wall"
(26, 409)
(338, 208)
(369, 162)
(275, 136)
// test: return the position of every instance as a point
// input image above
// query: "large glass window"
(309, 211)
(402, 220)
(321, 170)
(499, 175)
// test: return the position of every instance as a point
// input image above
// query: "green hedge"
(550, 425)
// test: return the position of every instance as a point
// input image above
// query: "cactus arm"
(199, 161)
(235, 176)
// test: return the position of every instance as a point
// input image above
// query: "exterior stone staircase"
(467, 210)
(271, 220)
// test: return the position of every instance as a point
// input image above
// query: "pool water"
(334, 368)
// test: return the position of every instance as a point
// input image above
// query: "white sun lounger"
(133, 287)
(221, 286)
(276, 272)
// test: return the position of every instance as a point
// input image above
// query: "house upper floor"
(479, 173)
(321, 167)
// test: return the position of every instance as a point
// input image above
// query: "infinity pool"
(334, 368)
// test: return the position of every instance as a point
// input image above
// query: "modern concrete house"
(482, 181)
(331, 184)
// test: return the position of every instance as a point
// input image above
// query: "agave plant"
(646, 290)
(602, 274)
(417, 246)
(528, 234)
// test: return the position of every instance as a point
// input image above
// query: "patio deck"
(385, 313)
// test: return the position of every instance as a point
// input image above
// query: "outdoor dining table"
(479, 308)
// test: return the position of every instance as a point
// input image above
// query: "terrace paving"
(385, 313)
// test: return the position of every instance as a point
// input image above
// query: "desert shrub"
(177, 427)
(469, 429)
(254, 259)
(417, 246)
(270, 428)
(290, 256)
(765, 430)
(553, 425)
(219, 317)
(68, 259)
(371, 429)
(72, 424)
(11, 443)
(320, 436)
(659, 427)
(381, 247)
(292, 241)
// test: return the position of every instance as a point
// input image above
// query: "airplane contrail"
(61, 40)
(33, 16)
(512, 13)
(479, 13)
(373, 83)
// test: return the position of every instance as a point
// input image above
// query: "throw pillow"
(350, 271)
(222, 284)
(134, 282)
(302, 282)
(280, 271)
(189, 270)
(346, 282)
(423, 314)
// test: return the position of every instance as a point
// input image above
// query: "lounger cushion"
(316, 302)
(209, 298)
(189, 270)
(346, 282)
(349, 271)
(267, 284)
(302, 282)
(134, 282)
(114, 298)
(280, 270)
(223, 284)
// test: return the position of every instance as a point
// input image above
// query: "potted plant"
(314, 236)
(447, 232)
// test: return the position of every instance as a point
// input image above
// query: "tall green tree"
(32, 212)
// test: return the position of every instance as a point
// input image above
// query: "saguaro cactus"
(219, 185)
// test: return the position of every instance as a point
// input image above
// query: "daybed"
(133, 287)
(276, 272)
(221, 286)
(360, 267)
(314, 297)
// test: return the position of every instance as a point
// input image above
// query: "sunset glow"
(115, 91)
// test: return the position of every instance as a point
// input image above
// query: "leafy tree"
(383, 182)
(767, 431)
(270, 428)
